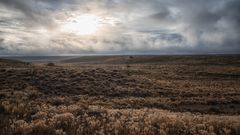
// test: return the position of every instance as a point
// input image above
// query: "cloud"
(145, 26)
(1, 42)
(34, 13)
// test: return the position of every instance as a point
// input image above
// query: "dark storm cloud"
(205, 14)
(1, 42)
(203, 19)
(232, 13)
(34, 13)
(229, 14)
(161, 15)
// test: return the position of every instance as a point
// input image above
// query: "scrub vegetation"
(121, 95)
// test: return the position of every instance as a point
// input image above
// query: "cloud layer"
(34, 27)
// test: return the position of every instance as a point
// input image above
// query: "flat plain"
(193, 94)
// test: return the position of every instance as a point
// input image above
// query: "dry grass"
(133, 99)
(25, 116)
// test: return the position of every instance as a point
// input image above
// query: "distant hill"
(167, 59)
(10, 62)
(114, 59)
(3, 60)
(39, 59)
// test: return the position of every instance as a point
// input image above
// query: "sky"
(83, 27)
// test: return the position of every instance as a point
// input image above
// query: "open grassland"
(122, 95)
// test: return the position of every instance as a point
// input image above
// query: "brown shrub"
(50, 64)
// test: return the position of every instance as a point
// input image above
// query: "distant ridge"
(139, 59)
(4, 60)
(13, 63)
(38, 59)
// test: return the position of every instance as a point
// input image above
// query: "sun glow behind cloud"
(43, 27)
(86, 24)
